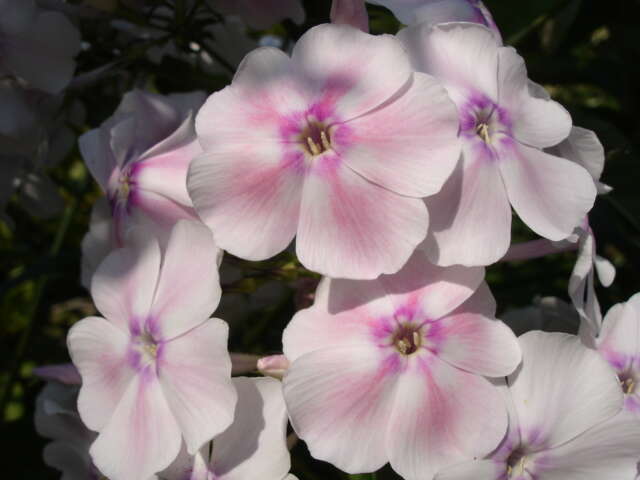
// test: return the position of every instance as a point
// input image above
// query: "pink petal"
(442, 416)
(195, 374)
(461, 232)
(537, 122)
(341, 315)
(188, 288)
(339, 399)
(475, 341)
(163, 170)
(605, 270)
(480, 469)
(551, 195)
(409, 145)
(582, 391)
(255, 444)
(263, 92)
(608, 450)
(350, 12)
(462, 56)
(99, 350)
(581, 286)
(437, 290)
(142, 437)
(250, 199)
(123, 285)
(355, 72)
(351, 228)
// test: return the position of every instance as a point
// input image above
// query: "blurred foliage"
(584, 51)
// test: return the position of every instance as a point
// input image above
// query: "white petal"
(553, 409)
(99, 350)
(195, 374)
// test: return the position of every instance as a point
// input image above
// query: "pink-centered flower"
(503, 130)
(334, 145)
(393, 370)
(254, 445)
(565, 419)
(140, 157)
(155, 371)
(619, 344)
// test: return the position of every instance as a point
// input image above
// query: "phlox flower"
(254, 445)
(503, 130)
(37, 46)
(565, 421)
(619, 344)
(350, 12)
(393, 370)
(155, 371)
(334, 145)
(261, 14)
(439, 11)
(140, 157)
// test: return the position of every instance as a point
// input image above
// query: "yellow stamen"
(325, 140)
(151, 349)
(403, 345)
(315, 150)
(628, 386)
(483, 131)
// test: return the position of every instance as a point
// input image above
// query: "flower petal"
(97, 156)
(608, 450)
(99, 350)
(583, 147)
(188, 288)
(550, 194)
(461, 55)
(142, 437)
(484, 469)
(354, 71)
(553, 409)
(536, 122)
(123, 285)
(442, 416)
(475, 341)
(336, 397)
(410, 144)
(619, 339)
(341, 315)
(350, 228)
(437, 290)
(253, 205)
(461, 232)
(255, 444)
(195, 374)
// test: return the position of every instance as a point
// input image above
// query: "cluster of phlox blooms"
(394, 163)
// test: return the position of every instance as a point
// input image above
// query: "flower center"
(315, 138)
(408, 339)
(124, 187)
(148, 347)
(516, 463)
(628, 384)
(482, 129)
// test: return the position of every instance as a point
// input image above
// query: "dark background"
(586, 52)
